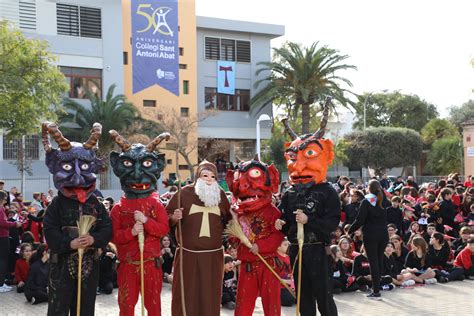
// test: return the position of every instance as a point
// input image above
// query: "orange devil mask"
(252, 185)
(309, 156)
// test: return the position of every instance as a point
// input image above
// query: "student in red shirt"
(22, 266)
(463, 267)
(285, 273)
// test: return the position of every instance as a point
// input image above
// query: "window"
(181, 51)
(185, 87)
(225, 102)
(227, 49)
(149, 103)
(81, 80)
(81, 21)
(28, 15)
(183, 66)
(183, 167)
(125, 58)
(12, 148)
(169, 161)
(184, 112)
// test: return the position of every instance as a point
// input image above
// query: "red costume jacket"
(259, 227)
(463, 259)
(155, 227)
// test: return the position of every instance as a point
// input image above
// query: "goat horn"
(45, 137)
(324, 120)
(95, 135)
(63, 142)
(120, 140)
(152, 145)
(288, 129)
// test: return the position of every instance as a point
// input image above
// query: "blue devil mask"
(74, 165)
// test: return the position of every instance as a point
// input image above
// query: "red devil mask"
(309, 156)
(253, 184)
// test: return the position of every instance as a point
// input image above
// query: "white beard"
(210, 195)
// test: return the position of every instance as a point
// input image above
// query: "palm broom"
(300, 237)
(141, 245)
(84, 225)
(234, 229)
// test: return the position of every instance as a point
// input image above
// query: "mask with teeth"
(73, 165)
(253, 184)
(138, 166)
(309, 156)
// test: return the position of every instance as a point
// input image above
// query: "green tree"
(383, 148)
(445, 156)
(299, 77)
(394, 110)
(461, 114)
(273, 149)
(436, 129)
(114, 112)
(30, 85)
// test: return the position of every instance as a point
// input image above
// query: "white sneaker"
(5, 288)
(408, 283)
(431, 281)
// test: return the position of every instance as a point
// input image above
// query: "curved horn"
(120, 140)
(45, 137)
(256, 157)
(324, 120)
(158, 139)
(288, 129)
(95, 135)
(63, 142)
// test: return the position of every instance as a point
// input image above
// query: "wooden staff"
(141, 245)
(180, 236)
(300, 236)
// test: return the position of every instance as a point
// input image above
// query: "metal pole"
(23, 163)
(258, 139)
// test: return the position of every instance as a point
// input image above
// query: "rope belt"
(204, 251)
(137, 263)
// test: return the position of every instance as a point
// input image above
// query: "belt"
(139, 262)
(204, 251)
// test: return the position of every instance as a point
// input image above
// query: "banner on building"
(155, 45)
(226, 77)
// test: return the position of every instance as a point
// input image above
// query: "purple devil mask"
(73, 165)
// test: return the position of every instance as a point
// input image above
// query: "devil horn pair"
(322, 128)
(48, 128)
(125, 144)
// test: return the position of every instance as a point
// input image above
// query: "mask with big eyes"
(138, 166)
(309, 156)
(253, 184)
(73, 165)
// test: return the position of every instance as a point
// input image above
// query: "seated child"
(22, 266)
(36, 288)
(229, 283)
(287, 298)
(463, 267)
(342, 280)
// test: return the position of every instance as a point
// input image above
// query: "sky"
(417, 46)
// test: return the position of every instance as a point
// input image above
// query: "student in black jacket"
(447, 209)
(36, 288)
(343, 281)
(438, 256)
(395, 215)
(373, 219)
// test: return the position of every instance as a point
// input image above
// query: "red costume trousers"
(258, 282)
(128, 279)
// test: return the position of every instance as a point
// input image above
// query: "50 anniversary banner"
(155, 44)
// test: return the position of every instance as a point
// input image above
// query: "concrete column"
(468, 147)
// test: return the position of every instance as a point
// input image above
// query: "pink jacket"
(4, 224)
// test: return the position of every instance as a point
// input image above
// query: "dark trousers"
(4, 254)
(286, 298)
(316, 280)
(106, 286)
(40, 296)
(20, 289)
(374, 247)
(63, 290)
(459, 274)
(227, 297)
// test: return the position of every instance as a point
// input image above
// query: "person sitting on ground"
(107, 269)
(285, 273)
(400, 252)
(342, 280)
(167, 256)
(229, 283)
(392, 230)
(22, 266)
(430, 230)
(357, 240)
(417, 264)
(392, 270)
(347, 252)
(447, 210)
(351, 209)
(395, 215)
(36, 288)
(438, 256)
(459, 244)
(361, 271)
(463, 267)
(413, 231)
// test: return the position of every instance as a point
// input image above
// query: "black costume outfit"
(373, 220)
(60, 229)
(320, 202)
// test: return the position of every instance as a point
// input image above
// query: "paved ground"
(454, 298)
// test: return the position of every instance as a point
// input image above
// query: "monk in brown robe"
(204, 212)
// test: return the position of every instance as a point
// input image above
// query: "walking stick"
(141, 245)
(180, 236)
(84, 224)
(300, 236)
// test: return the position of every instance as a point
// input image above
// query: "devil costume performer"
(138, 167)
(253, 184)
(74, 167)
(203, 263)
(308, 157)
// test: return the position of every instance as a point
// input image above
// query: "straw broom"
(300, 237)
(141, 245)
(84, 225)
(234, 229)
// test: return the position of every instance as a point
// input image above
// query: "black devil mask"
(73, 165)
(138, 166)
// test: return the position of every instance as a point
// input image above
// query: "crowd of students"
(430, 232)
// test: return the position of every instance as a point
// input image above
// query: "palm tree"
(300, 77)
(113, 113)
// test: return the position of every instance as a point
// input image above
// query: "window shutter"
(243, 51)
(91, 22)
(212, 48)
(67, 19)
(28, 15)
